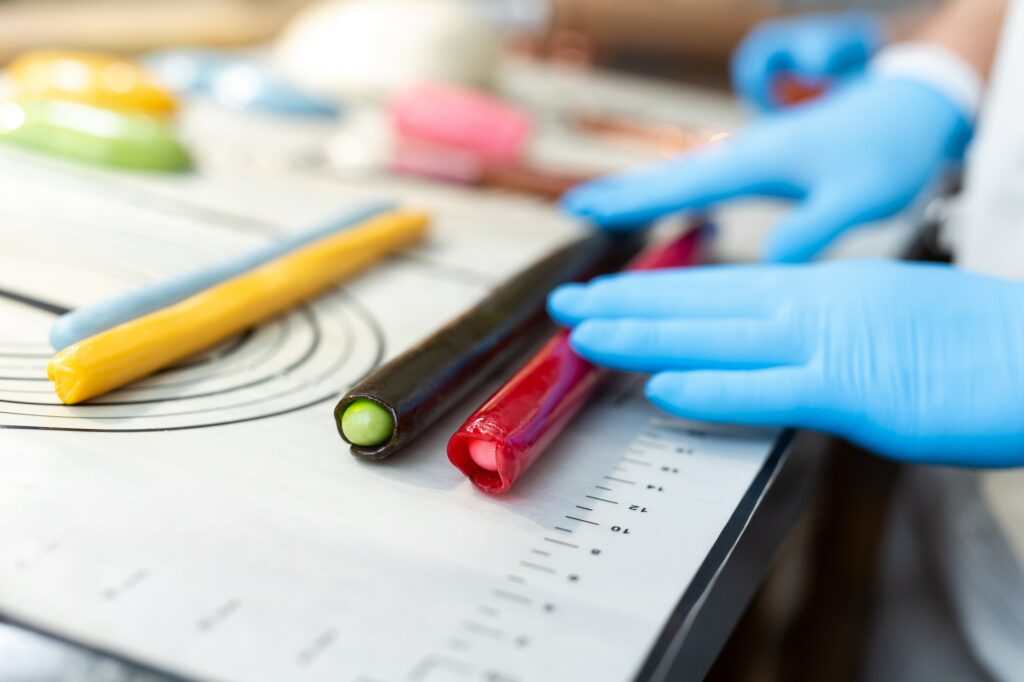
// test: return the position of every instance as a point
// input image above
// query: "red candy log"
(511, 430)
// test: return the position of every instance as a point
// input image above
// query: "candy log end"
(366, 424)
(484, 453)
(67, 381)
(481, 460)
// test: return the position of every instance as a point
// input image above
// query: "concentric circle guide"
(299, 359)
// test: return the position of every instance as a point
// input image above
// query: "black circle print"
(299, 359)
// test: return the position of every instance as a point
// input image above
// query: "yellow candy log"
(138, 348)
(90, 78)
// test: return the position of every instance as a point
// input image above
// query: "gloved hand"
(920, 362)
(860, 154)
(814, 48)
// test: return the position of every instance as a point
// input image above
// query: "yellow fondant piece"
(142, 346)
(97, 79)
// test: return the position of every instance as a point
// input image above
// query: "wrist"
(937, 66)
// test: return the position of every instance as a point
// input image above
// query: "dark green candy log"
(427, 381)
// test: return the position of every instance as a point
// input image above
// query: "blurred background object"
(659, 35)
(373, 48)
(92, 135)
(89, 78)
(666, 37)
(139, 25)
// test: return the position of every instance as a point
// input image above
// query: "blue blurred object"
(860, 154)
(93, 319)
(920, 362)
(235, 82)
(254, 88)
(814, 48)
(187, 70)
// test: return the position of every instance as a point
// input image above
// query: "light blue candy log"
(187, 70)
(93, 319)
(250, 87)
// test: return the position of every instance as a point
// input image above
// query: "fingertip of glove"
(585, 335)
(662, 390)
(659, 385)
(565, 301)
(579, 201)
(592, 203)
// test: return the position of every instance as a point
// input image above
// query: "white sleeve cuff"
(938, 66)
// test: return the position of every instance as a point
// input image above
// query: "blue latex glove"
(860, 154)
(916, 361)
(816, 47)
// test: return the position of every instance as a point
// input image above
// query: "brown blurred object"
(452, 164)
(541, 183)
(694, 33)
(137, 25)
(665, 138)
(671, 28)
(569, 48)
(428, 159)
(791, 91)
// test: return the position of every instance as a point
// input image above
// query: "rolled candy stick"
(92, 135)
(461, 135)
(461, 118)
(510, 431)
(93, 78)
(235, 82)
(149, 343)
(90, 320)
(401, 398)
(187, 70)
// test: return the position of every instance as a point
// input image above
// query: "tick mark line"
(592, 523)
(537, 567)
(484, 630)
(541, 552)
(601, 499)
(620, 480)
(636, 461)
(427, 664)
(601, 487)
(220, 613)
(560, 542)
(516, 579)
(317, 646)
(512, 596)
(582, 507)
(564, 530)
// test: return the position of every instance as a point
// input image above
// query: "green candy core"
(367, 424)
